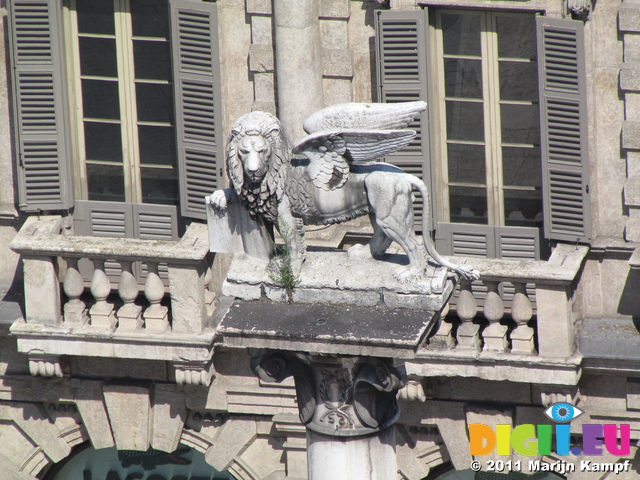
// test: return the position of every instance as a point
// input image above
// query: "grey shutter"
(154, 222)
(401, 54)
(564, 145)
(39, 99)
(102, 219)
(196, 77)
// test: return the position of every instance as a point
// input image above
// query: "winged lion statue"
(333, 175)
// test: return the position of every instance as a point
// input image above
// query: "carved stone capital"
(338, 396)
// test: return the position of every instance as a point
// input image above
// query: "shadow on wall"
(630, 299)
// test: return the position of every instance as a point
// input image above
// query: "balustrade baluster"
(522, 338)
(129, 315)
(467, 308)
(495, 335)
(102, 315)
(75, 311)
(156, 316)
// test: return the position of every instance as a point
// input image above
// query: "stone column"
(298, 63)
(348, 406)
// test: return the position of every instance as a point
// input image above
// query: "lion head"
(258, 154)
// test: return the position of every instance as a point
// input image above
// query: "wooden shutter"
(564, 135)
(194, 38)
(39, 99)
(401, 54)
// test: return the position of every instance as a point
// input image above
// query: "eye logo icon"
(563, 412)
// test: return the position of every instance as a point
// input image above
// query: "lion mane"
(260, 198)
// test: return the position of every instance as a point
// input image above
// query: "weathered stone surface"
(632, 107)
(261, 58)
(630, 77)
(555, 321)
(453, 429)
(42, 291)
(262, 29)
(334, 9)
(129, 415)
(231, 440)
(334, 34)
(491, 417)
(260, 7)
(631, 135)
(337, 90)
(631, 44)
(629, 17)
(632, 228)
(169, 413)
(337, 63)
(632, 192)
(264, 87)
(90, 402)
(189, 312)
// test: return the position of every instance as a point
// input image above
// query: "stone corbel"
(550, 396)
(45, 365)
(337, 396)
(194, 373)
(580, 9)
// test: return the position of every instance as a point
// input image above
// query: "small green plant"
(281, 269)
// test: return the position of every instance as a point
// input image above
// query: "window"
(121, 65)
(96, 85)
(503, 145)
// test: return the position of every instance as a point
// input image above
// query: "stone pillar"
(348, 406)
(298, 63)
(362, 458)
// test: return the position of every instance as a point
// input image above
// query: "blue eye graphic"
(563, 412)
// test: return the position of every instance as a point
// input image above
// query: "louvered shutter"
(401, 53)
(564, 133)
(154, 222)
(39, 97)
(194, 38)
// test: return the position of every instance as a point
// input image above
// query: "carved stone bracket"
(194, 373)
(580, 9)
(45, 365)
(338, 396)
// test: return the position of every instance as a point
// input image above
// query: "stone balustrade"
(126, 320)
(497, 314)
(519, 312)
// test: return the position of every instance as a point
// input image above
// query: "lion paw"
(359, 252)
(469, 273)
(407, 274)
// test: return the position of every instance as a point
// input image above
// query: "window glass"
(95, 16)
(461, 34)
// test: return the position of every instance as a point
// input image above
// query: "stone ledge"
(85, 341)
(496, 367)
(362, 331)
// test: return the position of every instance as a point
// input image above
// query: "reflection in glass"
(103, 142)
(521, 167)
(98, 57)
(105, 182)
(152, 60)
(154, 102)
(100, 99)
(159, 185)
(518, 81)
(466, 164)
(150, 18)
(462, 78)
(520, 124)
(523, 208)
(157, 145)
(468, 205)
(465, 121)
(516, 36)
(461, 34)
(95, 16)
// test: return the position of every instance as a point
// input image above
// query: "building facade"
(114, 117)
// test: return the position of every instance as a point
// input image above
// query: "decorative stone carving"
(338, 396)
(580, 9)
(334, 178)
(45, 365)
(194, 373)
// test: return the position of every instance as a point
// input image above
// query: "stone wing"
(367, 116)
(330, 152)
